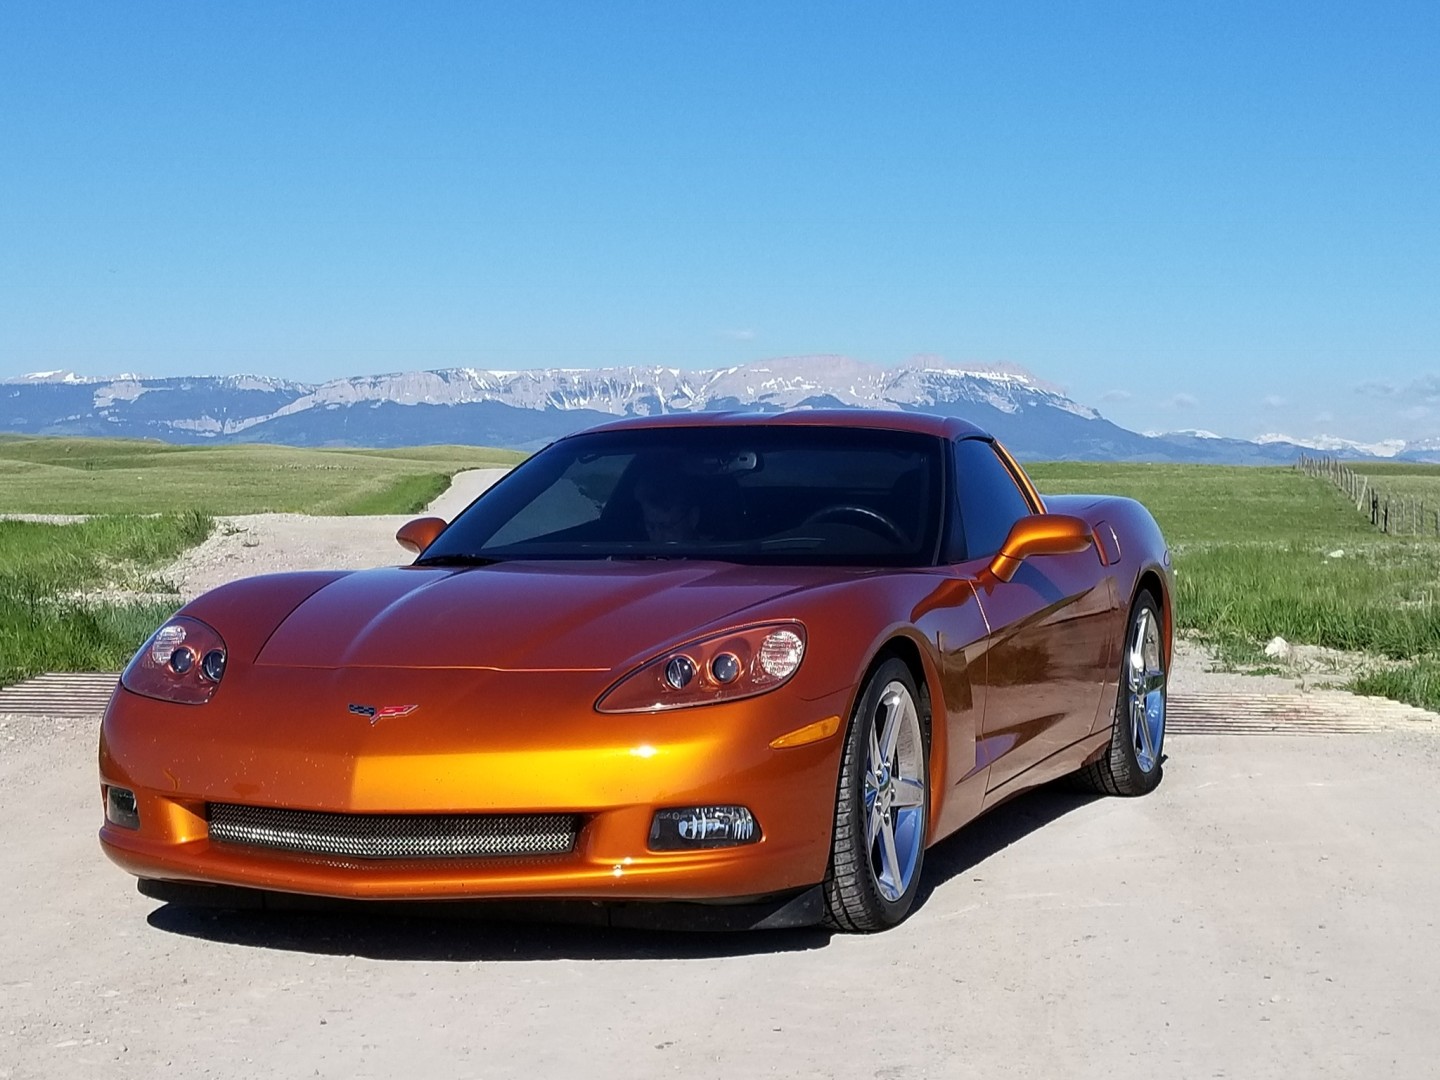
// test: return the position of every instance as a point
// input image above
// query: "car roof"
(874, 419)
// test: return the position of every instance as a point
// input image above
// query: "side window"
(990, 500)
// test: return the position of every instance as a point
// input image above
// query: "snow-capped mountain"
(526, 409)
(640, 391)
(1385, 448)
(1184, 433)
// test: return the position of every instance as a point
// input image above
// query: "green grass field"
(1412, 490)
(1255, 558)
(117, 476)
(1388, 470)
(1217, 504)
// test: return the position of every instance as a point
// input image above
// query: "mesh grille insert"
(394, 836)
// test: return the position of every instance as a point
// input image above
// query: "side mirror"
(1040, 534)
(419, 534)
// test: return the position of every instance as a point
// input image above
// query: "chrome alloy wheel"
(1145, 688)
(895, 791)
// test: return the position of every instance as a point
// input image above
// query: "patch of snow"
(1385, 448)
(59, 375)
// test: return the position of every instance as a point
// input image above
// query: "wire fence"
(1398, 515)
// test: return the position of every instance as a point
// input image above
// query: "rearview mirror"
(1040, 534)
(419, 534)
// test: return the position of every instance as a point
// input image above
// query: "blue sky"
(1217, 215)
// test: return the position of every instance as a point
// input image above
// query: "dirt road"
(248, 544)
(1269, 912)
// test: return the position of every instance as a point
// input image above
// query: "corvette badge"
(382, 712)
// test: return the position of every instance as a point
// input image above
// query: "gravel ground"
(1268, 912)
(248, 544)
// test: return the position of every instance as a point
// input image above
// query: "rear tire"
(882, 805)
(1133, 763)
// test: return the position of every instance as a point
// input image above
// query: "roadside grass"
(1267, 552)
(1414, 684)
(407, 494)
(46, 621)
(49, 475)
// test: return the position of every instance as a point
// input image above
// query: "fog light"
(702, 827)
(121, 809)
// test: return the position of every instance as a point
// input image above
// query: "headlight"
(183, 661)
(722, 667)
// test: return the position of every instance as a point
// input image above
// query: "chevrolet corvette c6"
(744, 668)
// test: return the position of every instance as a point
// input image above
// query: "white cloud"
(739, 335)
(1116, 395)
(1425, 389)
(1181, 401)
(1377, 388)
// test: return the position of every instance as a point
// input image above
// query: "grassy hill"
(47, 475)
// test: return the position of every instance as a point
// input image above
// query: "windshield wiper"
(458, 559)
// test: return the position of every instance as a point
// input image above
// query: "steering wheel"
(870, 518)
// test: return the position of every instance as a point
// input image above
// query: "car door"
(1049, 647)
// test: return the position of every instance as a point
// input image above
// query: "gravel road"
(248, 544)
(1268, 912)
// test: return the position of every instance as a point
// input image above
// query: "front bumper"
(461, 757)
(805, 907)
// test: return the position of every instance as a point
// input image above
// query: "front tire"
(882, 805)
(1132, 764)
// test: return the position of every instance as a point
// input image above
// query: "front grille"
(394, 836)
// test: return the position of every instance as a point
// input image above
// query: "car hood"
(526, 616)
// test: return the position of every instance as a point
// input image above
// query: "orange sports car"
(738, 670)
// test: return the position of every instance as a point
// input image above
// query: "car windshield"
(750, 494)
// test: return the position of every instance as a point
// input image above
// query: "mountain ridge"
(525, 409)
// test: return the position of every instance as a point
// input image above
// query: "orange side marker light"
(821, 729)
